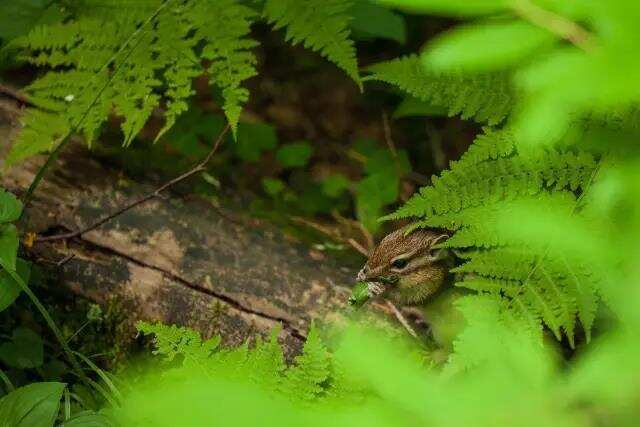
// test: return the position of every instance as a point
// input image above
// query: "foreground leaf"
(34, 405)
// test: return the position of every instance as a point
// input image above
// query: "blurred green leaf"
(273, 186)
(88, 419)
(486, 46)
(8, 246)
(371, 20)
(372, 194)
(194, 132)
(10, 207)
(18, 17)
(450, 7)
(334, 185)
(254, 139)
(9, 288)
(34, 405)
(383, 161)
(295, 154)
(24, 351)
(411, 106)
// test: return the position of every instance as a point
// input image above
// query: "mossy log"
(176, 260)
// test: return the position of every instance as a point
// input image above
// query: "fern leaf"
(484, 98)
(223, 26)
(468, 185)
(110, 59)
(311, 369)
(321, 25)
(266, 362)
(42, 131)
(172, 341)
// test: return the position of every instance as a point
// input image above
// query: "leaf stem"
(49, 320)
(7, 382)
(556, 24)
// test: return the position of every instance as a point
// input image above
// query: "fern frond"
(469, 184)
(321, 25)
(223, 26)
(172, 341)
(107, 61)
(311, 369)
(493, 182)
(484, 98)
(492, 331)
(265, 362)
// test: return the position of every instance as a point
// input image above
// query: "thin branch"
(368, 238)
(556, 24)
(15, 95)
(401, 319)
(200, 167)
(387, 135)
(331, 233)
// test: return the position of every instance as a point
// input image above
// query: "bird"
(407, 266)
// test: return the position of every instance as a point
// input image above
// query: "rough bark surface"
(174, 260)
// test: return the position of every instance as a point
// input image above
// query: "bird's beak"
(361, 277)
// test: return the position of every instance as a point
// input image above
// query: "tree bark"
(175, 260)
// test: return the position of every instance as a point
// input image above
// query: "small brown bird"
(406, 268)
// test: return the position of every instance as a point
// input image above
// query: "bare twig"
(359, 226)
(556, 24)
(401, 319)
(387, 135)
(15, 94)
(65, 260)
(331, 233)
(156, 193)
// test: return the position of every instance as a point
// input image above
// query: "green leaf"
(372, 194)
(88, 419)
(485, 97)
(451, 7)
(254, 139)
(273, 186)
(34, 405)
(19, 17)
(486, 46)
(334, 185)
(321, 25)
(9, 288)
(371, 21)
(411, 106)
(24, 351)
(10, 207)
(382, 161)
(295, 154)
(8, 246)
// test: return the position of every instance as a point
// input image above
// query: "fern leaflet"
(485, 98)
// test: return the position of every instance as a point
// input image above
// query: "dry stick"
(15, 94)
(401, 319)
(387, 135)
(324, 230)
(202, 166)
(352, 223)
(418, 178)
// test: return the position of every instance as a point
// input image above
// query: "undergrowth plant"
(543, 208)
(130, 58)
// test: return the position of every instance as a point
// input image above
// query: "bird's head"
(407, 268)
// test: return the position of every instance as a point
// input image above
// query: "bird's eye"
(400, 263)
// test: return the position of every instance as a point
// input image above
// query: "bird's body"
(407, 267)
